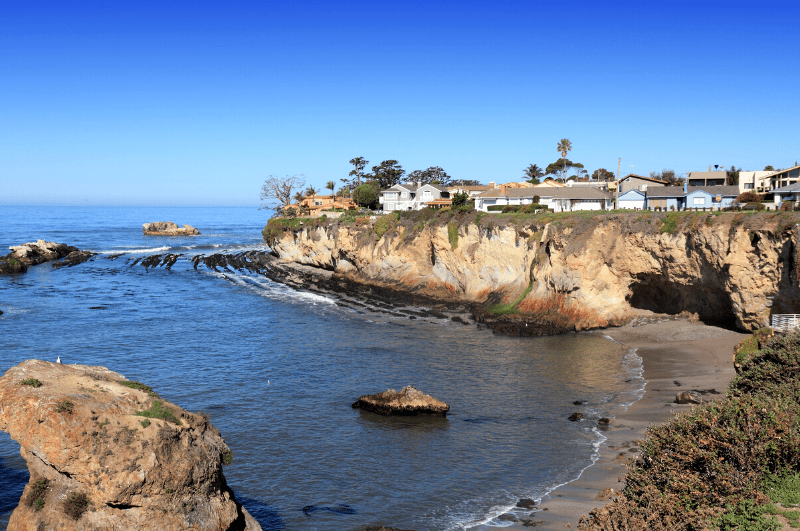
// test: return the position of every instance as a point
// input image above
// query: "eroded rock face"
(409, 401)
(30, 254)
(730, 269)
(81, 438)
(168, 228)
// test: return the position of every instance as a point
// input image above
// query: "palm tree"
(311, 191)
(533, 172)
(330, 186)
(564, 146)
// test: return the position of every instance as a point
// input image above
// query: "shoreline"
(676, 356)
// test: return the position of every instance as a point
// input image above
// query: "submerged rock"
(96, 463)
(575, 417)
(409, 401)
(30, 254)
(688, 397)
(168, 228)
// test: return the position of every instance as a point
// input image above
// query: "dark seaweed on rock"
(714, 455)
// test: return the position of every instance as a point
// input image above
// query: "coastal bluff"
(552, 273)
(168, 228)
(105, 453)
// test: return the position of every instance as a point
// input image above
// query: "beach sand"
(677, 356)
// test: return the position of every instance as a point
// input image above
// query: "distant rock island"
(168, 228)
(107, 453)
(29, 254)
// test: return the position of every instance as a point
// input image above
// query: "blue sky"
(196, 103)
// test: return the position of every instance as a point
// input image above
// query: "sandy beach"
(677, 356)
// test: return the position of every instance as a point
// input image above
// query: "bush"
(365, 196)
(158, 411)
(76, 504)
(787, 206)
(33, 382)
(460, 199)
(511, 208)
(495, 208)
(65, 406)
(749, 197)
(37, 493)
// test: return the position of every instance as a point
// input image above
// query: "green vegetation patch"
(670, 222)
(158, 411)
(145, 423)
(277, 227)
(142, 387)
(750, 345)
(227, 458)
(76, 504)
(65, 406)
(452, 235)
(511, 308)
(33, 382)
(385, 223)
(37, 494)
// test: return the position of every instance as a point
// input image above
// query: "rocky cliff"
(572, 271)
(97, 463)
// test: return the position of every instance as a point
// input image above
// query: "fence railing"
(784, 322)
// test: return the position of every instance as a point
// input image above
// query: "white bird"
(267, 382)
(58, 359)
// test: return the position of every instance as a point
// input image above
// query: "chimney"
(492, 184)
(419, 183)
(709, 167)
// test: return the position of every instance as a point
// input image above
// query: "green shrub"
(510, 208)
(142, 387)
(384, 224)
(37, 494)
(460, 198)
(227, 458)
(158, 411)
(76, 504)
(452, 235)
(747, 516)
(65, 406)
(670, 222)
(145, 423)
(495, 208)
(33, 382)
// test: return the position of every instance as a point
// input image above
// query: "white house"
(632, 199)
(754, 181)
(411, 197)
(557, 199)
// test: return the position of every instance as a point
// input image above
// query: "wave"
(137, 250)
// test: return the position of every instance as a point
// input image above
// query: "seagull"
(58, 359)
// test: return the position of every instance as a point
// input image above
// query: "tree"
(360, 163)
(603, 175)
(668, 176)
(365, 195)
(563, 147)
(467, 182)
(280, 188)
(732, 176)
(312, 192)
(533, 172)
(460, 199)
(432, 175)
(331, 186)
(560, 167)
(769, 168)
(387, 174)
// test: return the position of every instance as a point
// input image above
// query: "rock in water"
(409, 401)
(95, 464)
(168, 228)
(29, 254)
(688, 397)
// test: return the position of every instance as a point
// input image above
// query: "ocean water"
(277, 369)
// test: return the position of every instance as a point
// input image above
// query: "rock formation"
(591, 270)
(96, 463)
(168, 228)
(409, 401)
(33, 253)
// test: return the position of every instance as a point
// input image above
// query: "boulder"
(29, 254)
(688, 397)
(168, 228)
(409, 401)
(575, 417)
(106, 453)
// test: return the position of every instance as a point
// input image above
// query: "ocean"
(277, 369)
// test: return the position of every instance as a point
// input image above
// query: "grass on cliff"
(140, 386)
(720, 464)
(76, 504)
(33, 382)
(159, 411)
(277, 227)
(37, 493)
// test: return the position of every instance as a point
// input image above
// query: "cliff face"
(95, 464)
(731, 269)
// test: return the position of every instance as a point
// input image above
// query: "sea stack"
(168, 228)
(409, 401)
(30, 254)
(96, 462)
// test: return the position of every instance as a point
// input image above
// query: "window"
(390, 206)
(643, 188)
(748, 186)
(404, 195)
(699, 200)
(426, 194)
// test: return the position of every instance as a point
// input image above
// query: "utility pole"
(616, 203)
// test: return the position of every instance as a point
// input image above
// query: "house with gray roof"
(414, 197)
(564, 199)
(638, 182)
(787, 193)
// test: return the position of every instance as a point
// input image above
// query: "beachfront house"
(558, 199)
(789, 193)
(782, 178)
(638, 182)
(414, 197)
(666, 197)
(711, 197)
(707, 178)
(754, 181)
(632, 200)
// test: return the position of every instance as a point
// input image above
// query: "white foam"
(137, 251)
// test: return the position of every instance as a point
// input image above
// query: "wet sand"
(677, 356)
